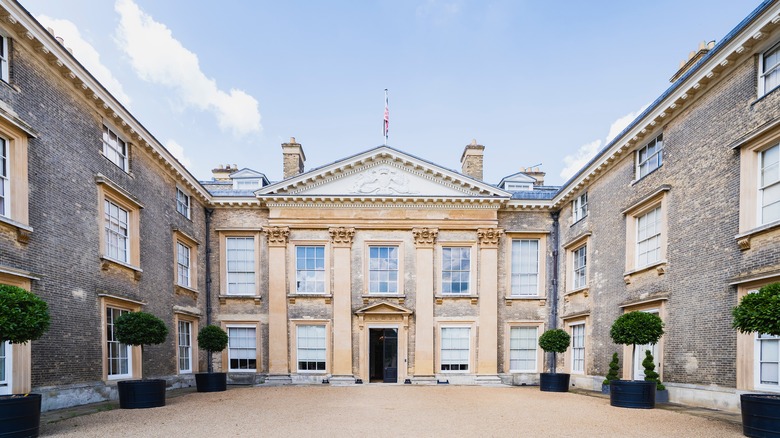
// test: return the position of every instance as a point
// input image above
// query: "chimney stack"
(534, 173)
(223, 173)
(471, 160)
(693, 58)
(293, 158)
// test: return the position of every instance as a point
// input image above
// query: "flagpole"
(386, 122)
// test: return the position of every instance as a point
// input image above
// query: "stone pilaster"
(278, 365)
(341, 241)
(425, 242)
(487, 341)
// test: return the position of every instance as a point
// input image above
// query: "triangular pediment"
(246, 173)
(383, 308)
(386, 172)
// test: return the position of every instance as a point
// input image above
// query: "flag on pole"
(386, 123)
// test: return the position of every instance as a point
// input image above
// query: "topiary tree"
(139, 329)
(554, 341)
(759, 312)
(637, 328)
(212, 339)
(650, 374)
(614, 367)
(23, 316)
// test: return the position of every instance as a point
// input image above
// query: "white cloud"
(586, 152)
(178, 152)
(87, 55)
(575, 161)
(156, 56)
(620, 124)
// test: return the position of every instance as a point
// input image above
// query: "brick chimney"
(693, 58)
(534, 173)
(223, 173)
(471, 160)
(293, 158)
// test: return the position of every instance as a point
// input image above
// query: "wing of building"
(384, 266)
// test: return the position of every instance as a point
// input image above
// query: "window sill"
(400, 297)
(186, 291)
(579, 221)
(636, 181)
(763, 96)
(106, 263)
(585, 291)
(743, 239)
(542, 300)
(223, 299)
(22, 231)
(292, 297)
(659, 266)
(441, 297)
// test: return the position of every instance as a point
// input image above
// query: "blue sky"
(534, 81)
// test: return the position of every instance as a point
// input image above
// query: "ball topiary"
(212, 339)
(637, 328)
(23, 316)
(140, 328)
(759, 312)
(554, 341)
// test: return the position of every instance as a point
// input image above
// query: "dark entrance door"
(383, 355)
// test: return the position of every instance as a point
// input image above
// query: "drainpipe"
(554, 291)
(209, 212)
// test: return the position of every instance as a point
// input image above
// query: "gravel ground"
(389, 411)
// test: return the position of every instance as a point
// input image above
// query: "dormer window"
(246, 184)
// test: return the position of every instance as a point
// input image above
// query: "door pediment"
(383, 308)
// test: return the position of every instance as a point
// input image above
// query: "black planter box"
(760, 415)
(141, 394)
(636, 394)
(211, 382)
(20, 415)
(554, 382)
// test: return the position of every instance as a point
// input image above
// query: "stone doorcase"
(383, 315)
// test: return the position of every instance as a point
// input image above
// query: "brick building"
(383, 266)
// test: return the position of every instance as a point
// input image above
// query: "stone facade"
(417, 273)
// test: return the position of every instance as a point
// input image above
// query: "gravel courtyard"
(389, 411)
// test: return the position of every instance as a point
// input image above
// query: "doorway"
(383, 355)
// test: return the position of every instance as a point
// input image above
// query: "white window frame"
(185, 346)
(516, 277)
(4, 58)
(580, 267)
(577, 347)
(759, 361)
(183, 264)
(6, 361)
(579, 207)
(316, 334)
(116, 230)
(517, 343)
(655, 237)
(232, 347)
(183, 203)
(392, 280)
(246, 184)
(658, 156)
(447, 283)
(5, 178)
(115, 148)
(763, 72)
(302, 280)
(110, 339)
(764, 186)
(446, 362)
(233, 275)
